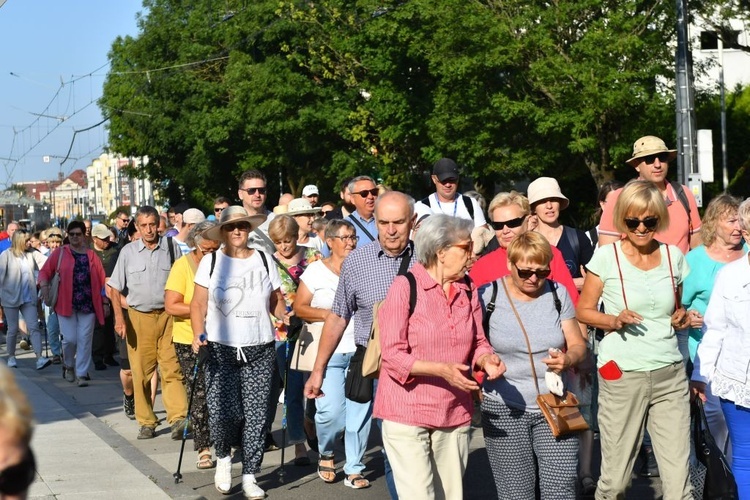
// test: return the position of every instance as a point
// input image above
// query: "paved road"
(87, 449)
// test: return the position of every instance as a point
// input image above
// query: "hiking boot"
(146, 432)
(42, 363)
(128, 406)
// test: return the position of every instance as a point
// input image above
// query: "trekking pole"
(282, 472)
(201, 358)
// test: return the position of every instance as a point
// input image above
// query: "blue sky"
(44, 43)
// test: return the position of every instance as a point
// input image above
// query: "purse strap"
(525, 335)
(677, 301)
(622, 283)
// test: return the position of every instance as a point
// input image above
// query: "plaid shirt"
(366, 276)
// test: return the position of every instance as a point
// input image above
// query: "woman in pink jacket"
(79, 300)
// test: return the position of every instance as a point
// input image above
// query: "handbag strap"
(59, 259)
(622, 283)
(525, 335)
(677, 301)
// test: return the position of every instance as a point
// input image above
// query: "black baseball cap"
(445, 168)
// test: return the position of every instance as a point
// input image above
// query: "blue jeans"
(53, 332)
(293, 395)
(336, 413)
(738, 423)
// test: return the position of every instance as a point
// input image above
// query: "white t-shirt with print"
(238, 299)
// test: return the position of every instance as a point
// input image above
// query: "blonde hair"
(723, 205)
(531, 246)
(283, 226)
(637, 198)
(511, 198)
(18, 242)
(15, 410)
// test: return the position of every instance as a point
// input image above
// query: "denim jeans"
(738, 422)
(28, 311)
(293, 395)
(53, 332)
(336, 413)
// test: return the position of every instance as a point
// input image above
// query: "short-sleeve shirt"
(652, 344)
(366, 275)
(322, 283)
(456, 208)
(143, 272)
(181, 280)
(543, 324)
(370, 231)
(678, 229)
(239, 292)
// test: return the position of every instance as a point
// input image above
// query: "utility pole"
(684, 102)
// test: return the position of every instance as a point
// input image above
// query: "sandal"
(205, 461)
(357, 482)
(325, 472)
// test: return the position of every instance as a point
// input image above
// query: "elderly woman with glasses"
(509, 215)
(178, 293)
(18, 295)
(529, 317)
(424, 390)
(79, 300)
(235, 290)
(642, 381)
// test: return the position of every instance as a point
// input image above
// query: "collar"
(408, 250)
(357, 214)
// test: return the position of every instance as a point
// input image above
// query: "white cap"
(310, 190)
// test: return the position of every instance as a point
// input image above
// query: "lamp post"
(724, 170)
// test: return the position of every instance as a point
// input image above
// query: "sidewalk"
(87, 449)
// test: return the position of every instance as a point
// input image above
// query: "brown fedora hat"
(232, 215)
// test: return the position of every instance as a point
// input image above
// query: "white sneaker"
(42, 362)
(12, 362)
(69, 374)
(251, 489)
(223, 475)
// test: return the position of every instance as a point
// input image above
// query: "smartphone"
(610, 370)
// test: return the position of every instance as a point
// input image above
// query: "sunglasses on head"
(258, 190)
(374, 192)
(525, 274)
(16, 479)
(649, 222)
(242, 226)
(650, 159)
(512, 223)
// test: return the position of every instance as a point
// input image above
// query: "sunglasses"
(525, 274)
(374, 192)
(75, 234)
(242, 226)
(466, 247)
(218, 209)
(451, 180)
(649, 222)
(650, 159)
(512, 223)
(254, 190)
(16, 479)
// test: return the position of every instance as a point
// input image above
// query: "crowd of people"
(479, 308)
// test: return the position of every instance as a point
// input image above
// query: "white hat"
(193, 216)
(546, 187)
(301, 206)
(101, 231)
(310, 190)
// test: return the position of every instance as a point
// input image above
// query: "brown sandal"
(205, 461)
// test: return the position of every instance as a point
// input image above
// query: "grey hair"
(437, 232)
(744, 215)
(397, 194)
(196, 236)
(333, 226)
(357, 179)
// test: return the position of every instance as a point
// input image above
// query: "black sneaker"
(99, 365)
(110, 361)
(146, 433)
(128, 406)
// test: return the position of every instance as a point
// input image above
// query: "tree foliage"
(314, 91)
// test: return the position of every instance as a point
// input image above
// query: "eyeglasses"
(259, 190)
(374, 192)
(16, 479)
(525, 274)
(466, 247)
(649, 222)
(353, 238)
(242, 226)
(75, 234)
(512, 223)
(650, 159)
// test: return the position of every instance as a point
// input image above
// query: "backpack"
(680, 192)
(491, 305)
(467, 203)
(213, 262)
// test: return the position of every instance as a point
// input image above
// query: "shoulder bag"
(561, 412)
(719, 480)
(54, 284)
(307, 346)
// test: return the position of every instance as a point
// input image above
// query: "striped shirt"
(366, 275)
(441, 329)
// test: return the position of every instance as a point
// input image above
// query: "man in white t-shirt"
(446, 199)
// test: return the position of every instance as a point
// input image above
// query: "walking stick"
(293, 331)
(202, 356)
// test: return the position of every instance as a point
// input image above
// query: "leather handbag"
(719, 480)
(561, 412)
(306, 350)
(54, 284)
